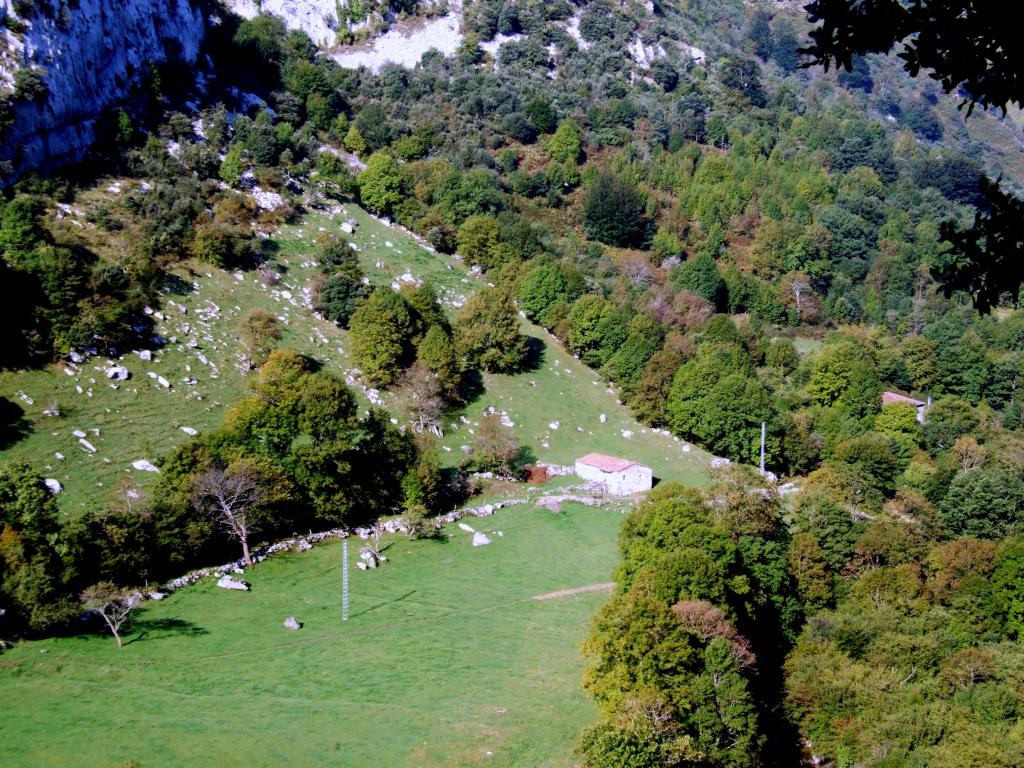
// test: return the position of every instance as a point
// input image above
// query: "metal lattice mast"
(763, 429)
(344, 581)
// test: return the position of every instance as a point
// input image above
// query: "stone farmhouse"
(896, 397)
(621, 477)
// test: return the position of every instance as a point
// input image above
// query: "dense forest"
(728, 238)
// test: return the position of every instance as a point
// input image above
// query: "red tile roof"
(606, 463)
(896, 397)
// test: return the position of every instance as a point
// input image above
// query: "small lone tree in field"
(494, 447)
(258, 331)
(237, 498)
(112, 603)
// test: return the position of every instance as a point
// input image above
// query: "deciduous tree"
(258, 331)
(240, 497)
(495, 448)
(112, 604)
(381, 331)
(487, 332)
(380, 184)
(419, 391)
(614, 211)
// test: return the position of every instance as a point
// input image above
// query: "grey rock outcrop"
(90, 58)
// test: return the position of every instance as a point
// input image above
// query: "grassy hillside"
(141, 419)
(564, 392)
(446, 660)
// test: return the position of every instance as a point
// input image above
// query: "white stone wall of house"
(634, 479)
(592, 474)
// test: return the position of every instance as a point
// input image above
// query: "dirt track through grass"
(575, 591)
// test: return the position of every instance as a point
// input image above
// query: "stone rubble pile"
(554, 502)
(484, 510)
(556, 470)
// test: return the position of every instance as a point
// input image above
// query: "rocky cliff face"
(89, 53)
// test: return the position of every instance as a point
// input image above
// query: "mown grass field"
(447, 660)
(141, 419)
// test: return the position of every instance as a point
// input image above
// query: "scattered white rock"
(226, 582)
(144, 466)
(53, 486)
(86, 445)
(292, 623)
(480, 539)
(118, 373)
(602, 418)
(466, 528)
(163, 382)
(190, 431)
(718, 462)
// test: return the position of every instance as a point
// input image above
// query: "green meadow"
(447, 659)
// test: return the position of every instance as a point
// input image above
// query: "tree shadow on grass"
(175, 284)
(534, 358)
(398, 599)
(471, 387)
(152, 629)
(13, 424)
